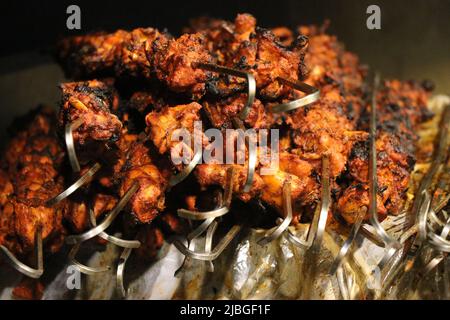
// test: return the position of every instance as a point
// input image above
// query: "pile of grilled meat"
(134, 88)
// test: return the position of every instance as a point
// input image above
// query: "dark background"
(413, 42)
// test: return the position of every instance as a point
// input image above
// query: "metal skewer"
(84, 179)
(287, 206)
(74, 239)
(176, 179)
(317, 226)
(70, 145)
(347, 244)
(81, 267)
(224, 209)
(214, 253)
(208, 243)
(208, 254)
(114, 240)
(191, 236)
(23, 268)
(313, 94)
(123, 292)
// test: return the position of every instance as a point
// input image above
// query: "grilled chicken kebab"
(130, 130)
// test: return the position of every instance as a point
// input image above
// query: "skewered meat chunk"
(274, 61)
(328, 63)
(163, 124)
(77, 214)
(148, 201)
(323, 128)
(395, 152)
(121, 53)
(34, 180)
(38, 122)
(174, 62)
(91, 101)
(216, 174)
(221, 112)
(132, 60)
(92, 54)
(247, 47)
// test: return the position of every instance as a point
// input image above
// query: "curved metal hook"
(176, 179)
(120, 272)
(70, 145)
(209, 256)
(313, 96)
(197, 215)
(287, 206)
(74, 239)
(114, 240)
(23, 268)
(208, 242)
(347, 244)
(81, 267)
(85, 178)
(319, 222)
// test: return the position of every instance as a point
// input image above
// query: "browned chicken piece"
(274, 61)
(77, 214)
(221, 112)
(121, 53)
(132, 60)
(91, 101)
(395, 147)
(163, 124)
(216, 174)
(324, 129)
(273, 189)
(329, 63)
(35, 180)
(403, 106)
(174, 62)
(148, 201)
(38, 122)
(244, 46)
(91, 54)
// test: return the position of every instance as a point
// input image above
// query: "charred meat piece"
(244, 46)
(148, 201)
(121, 53)
(92, 54)
(34, 179)
(92, 102)
(166, 126)
(132, 60)
(221, 112)
(216, 174)
(395, 147)
(77, 214)
(327, 62)
(174, 62)
(324, 129)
